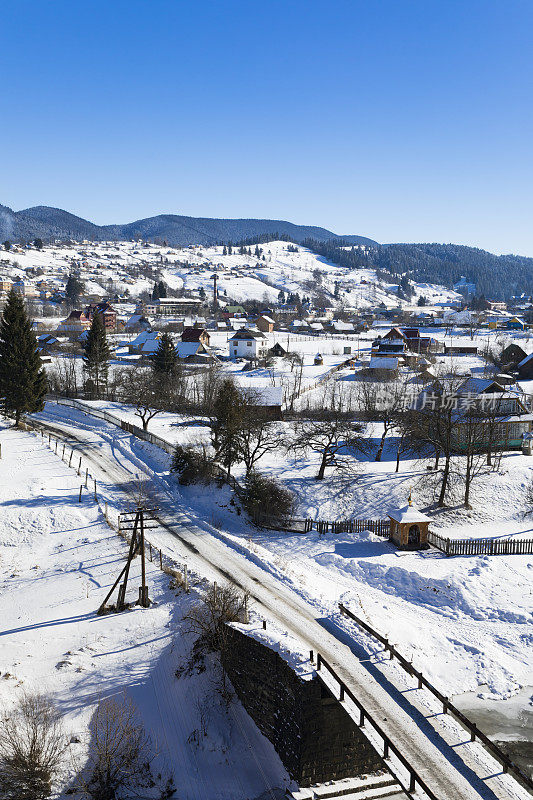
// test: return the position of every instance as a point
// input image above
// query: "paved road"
(450, 774)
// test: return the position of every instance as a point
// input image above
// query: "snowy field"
(58, 559)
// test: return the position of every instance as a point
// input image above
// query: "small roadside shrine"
(409, 527)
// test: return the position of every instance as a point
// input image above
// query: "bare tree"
(63, 378)
(207, 620)
(259, 435)
(120, 755)
(32, 747)
(334, 435)
(149, 392)
(382, 402)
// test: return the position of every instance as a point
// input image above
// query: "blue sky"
(402, 120)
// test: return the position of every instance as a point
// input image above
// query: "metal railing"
(447, 707)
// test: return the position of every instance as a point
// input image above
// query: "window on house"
(248, 344)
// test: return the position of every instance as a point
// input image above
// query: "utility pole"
(214, 278)
(136, 548)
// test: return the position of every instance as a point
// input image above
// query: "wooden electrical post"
(136, 547)
(143, 593)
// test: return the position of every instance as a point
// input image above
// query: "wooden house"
(194, 334)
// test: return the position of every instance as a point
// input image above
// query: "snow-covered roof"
(525, 360)
(265, 395)
(186, 349)
(247, 333)
(383, 363)
(478, 385)
(408, 513)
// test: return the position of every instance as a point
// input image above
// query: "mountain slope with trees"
(54, 223)
(497, 277)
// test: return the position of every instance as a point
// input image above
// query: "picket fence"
(481, 547)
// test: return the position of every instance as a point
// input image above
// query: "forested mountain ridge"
(50, 223)
(496, 277)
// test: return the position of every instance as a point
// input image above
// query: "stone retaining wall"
(313, 735)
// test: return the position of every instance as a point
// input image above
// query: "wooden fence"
(381, 527)
(447, 707)
(481, 547)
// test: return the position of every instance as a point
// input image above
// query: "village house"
(496, 417)
(106, 311)
(516, 324)
(171, 306)
(194, 334)
(248, 343)
(525, 368)
(277, 351)
(512, 355)
(265, 323)
(194, 352)
(137, 323)
(76, 322)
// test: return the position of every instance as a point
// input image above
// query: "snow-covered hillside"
(121, 266)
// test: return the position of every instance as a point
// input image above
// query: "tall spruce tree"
(227, 423)
(23, 384)
(165, 360)
(96, 357)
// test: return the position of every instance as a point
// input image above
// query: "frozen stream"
(508, 722)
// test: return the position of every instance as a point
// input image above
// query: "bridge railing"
(447, 707)
(388, 745)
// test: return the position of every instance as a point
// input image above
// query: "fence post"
(70, 459)
(95, 497)
(160, 559)
(79, 498)
(79, 467)
(86, 477)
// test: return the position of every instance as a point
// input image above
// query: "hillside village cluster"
(338, 435)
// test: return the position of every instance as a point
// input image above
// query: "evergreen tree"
(281, 297)
(23, 384)
(96, 357)
(230, 249)
(165, 360)
(155, 292)
(7, 245)
(162, 289)
(38, 244)
(73, 289)
(227, 423)
(224, 251)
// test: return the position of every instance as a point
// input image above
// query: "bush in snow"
(121, 756)
(265, 499)
(32, 746)
(192, 465)
(207, 620)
